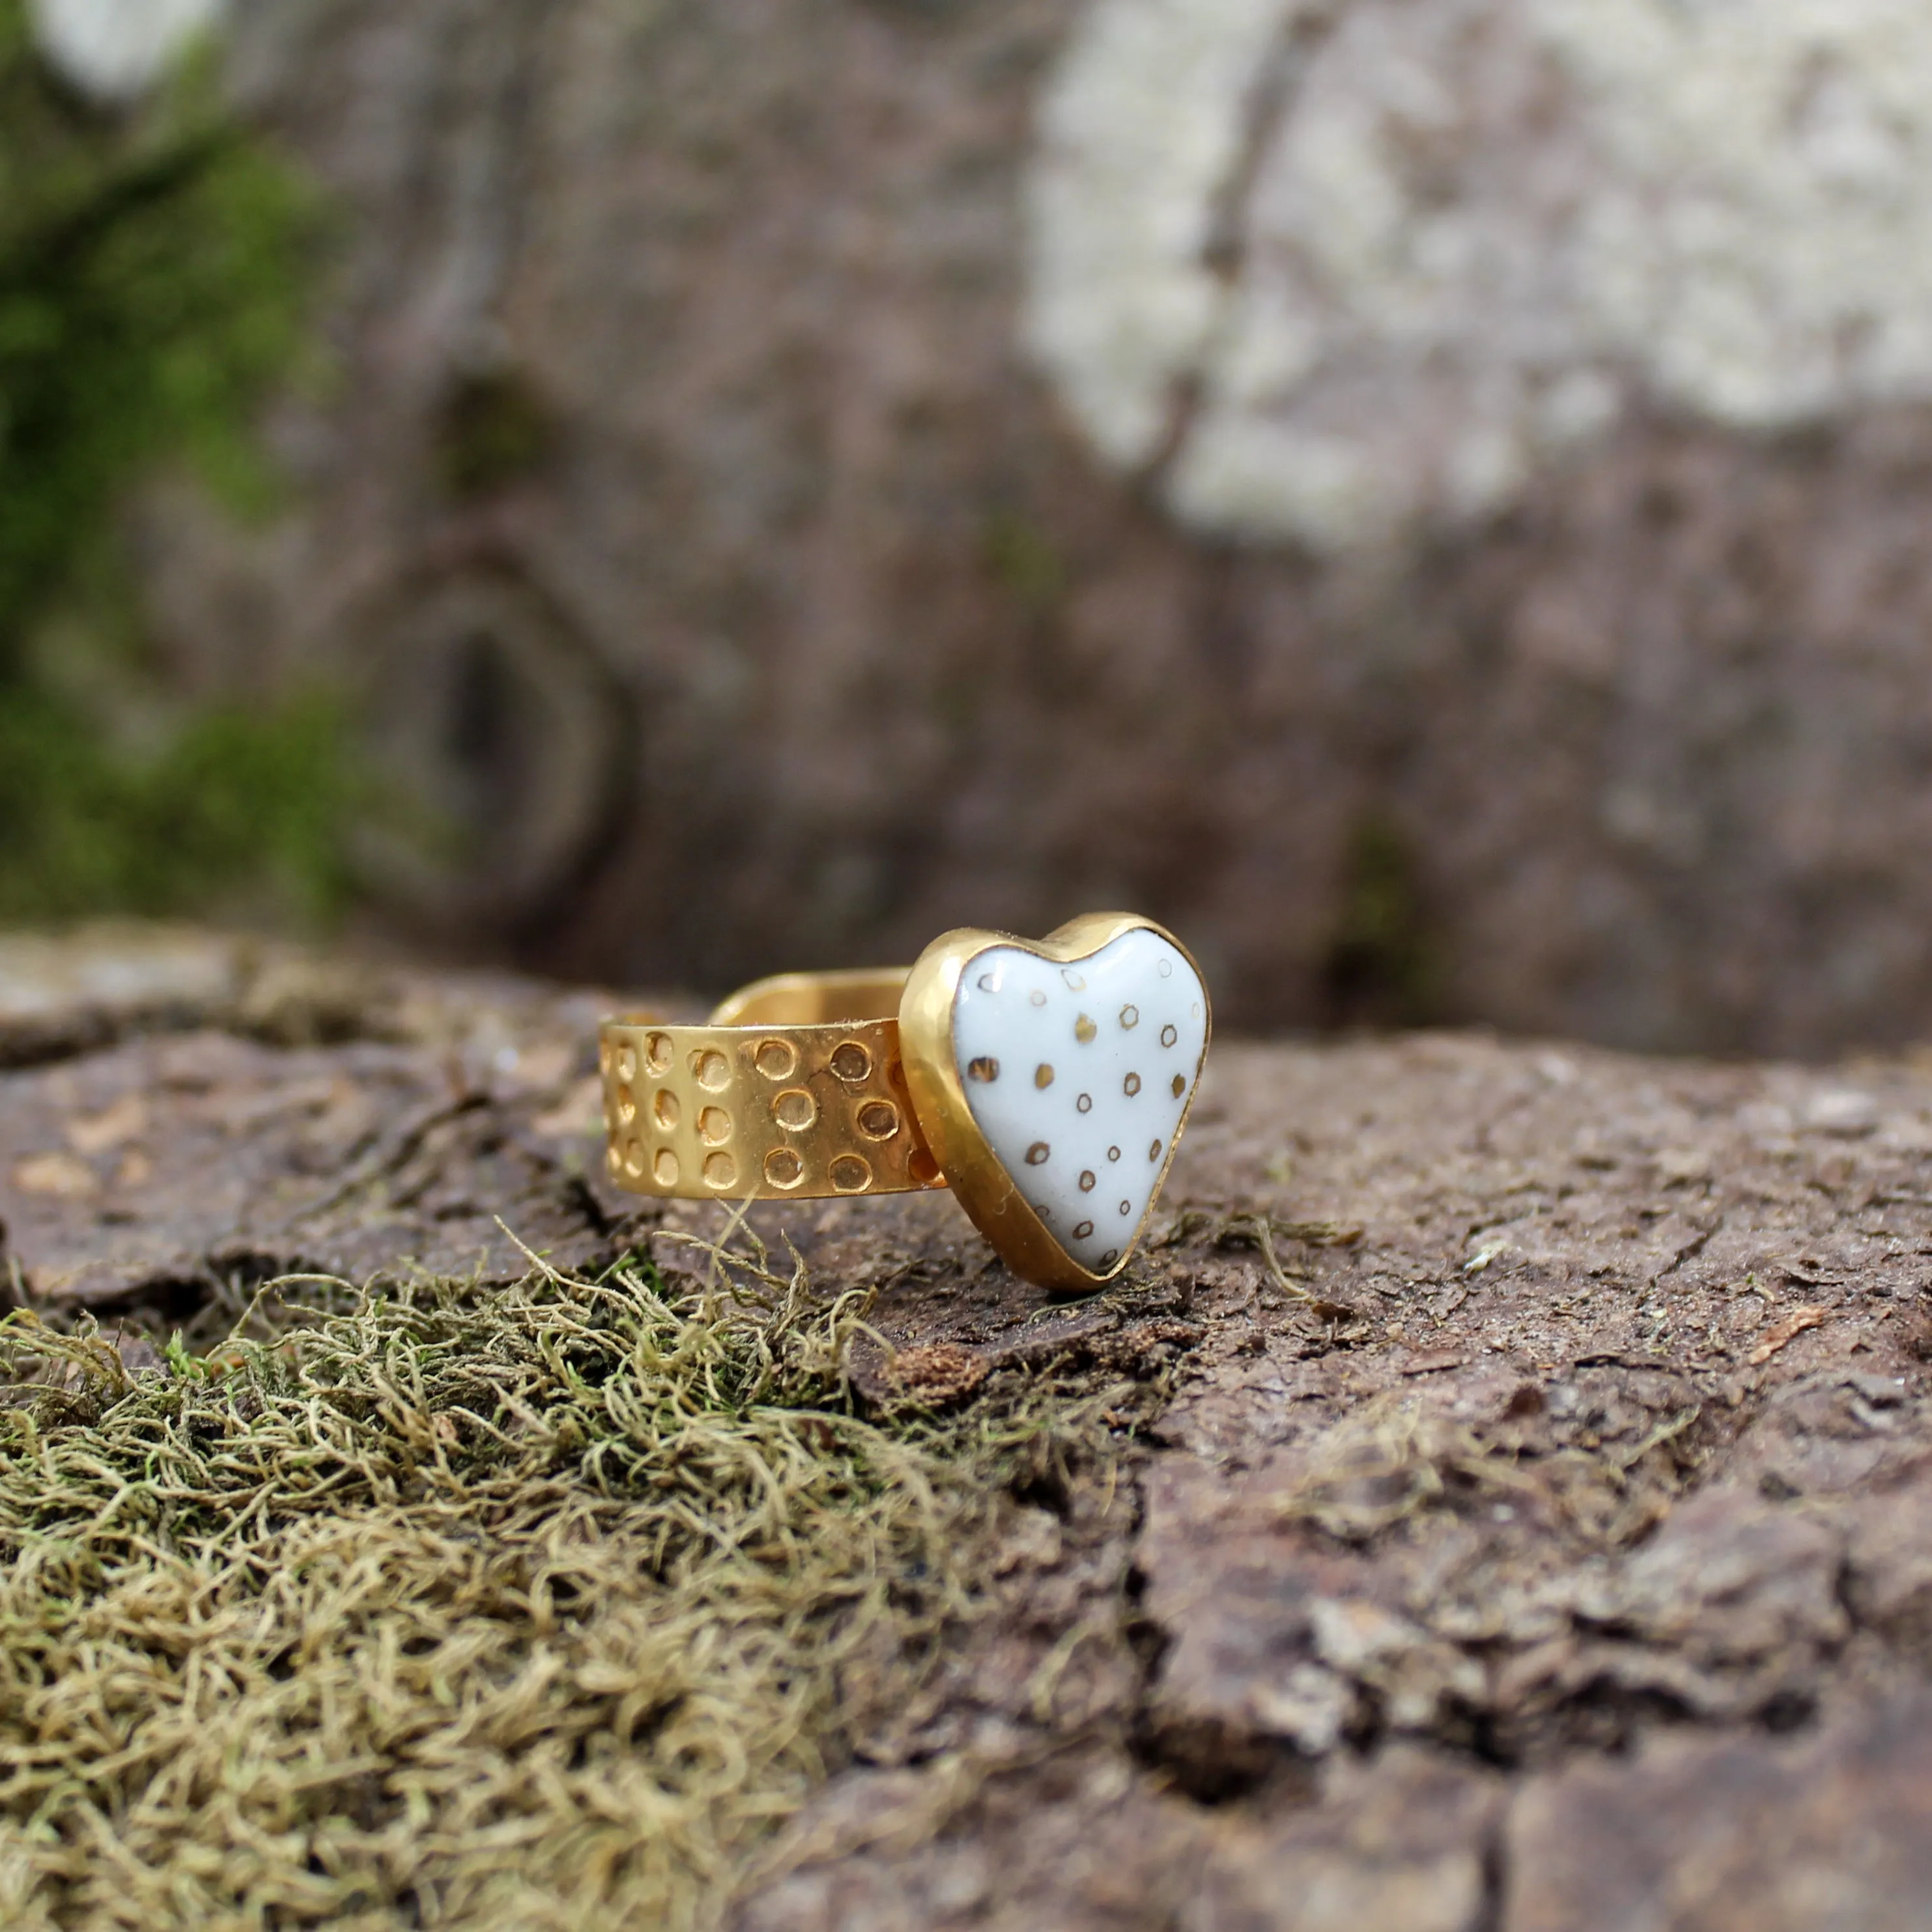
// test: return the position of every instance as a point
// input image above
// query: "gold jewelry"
(1049, 1083)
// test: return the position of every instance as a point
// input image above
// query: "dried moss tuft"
(529, 1609)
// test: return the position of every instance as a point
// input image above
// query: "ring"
(1048, 1084)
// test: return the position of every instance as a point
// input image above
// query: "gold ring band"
(1047, 1083)
(795, 1088)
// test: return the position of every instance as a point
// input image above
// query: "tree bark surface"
(1532, 1528)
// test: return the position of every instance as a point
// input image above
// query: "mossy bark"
(1503, 1477)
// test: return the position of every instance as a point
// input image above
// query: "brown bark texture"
(701, 538)
(1531, 1532)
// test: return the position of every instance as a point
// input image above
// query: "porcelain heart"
(1078, 1075)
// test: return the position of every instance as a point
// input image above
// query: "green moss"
(1025, 563)
(1381, 966)
(492, 430)
(154, 268)
(235, 811)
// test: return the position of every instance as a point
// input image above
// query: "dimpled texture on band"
(722, 1112)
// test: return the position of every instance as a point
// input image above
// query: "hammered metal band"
(794, 1088)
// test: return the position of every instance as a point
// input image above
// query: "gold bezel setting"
(985, 1188)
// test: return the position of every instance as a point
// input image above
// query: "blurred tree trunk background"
(1426, 496)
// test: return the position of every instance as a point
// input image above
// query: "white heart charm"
(1058, 1084)
(1079, 1076)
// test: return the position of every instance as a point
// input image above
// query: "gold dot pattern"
(1116, 1025)
(704, 1112)
(851, 1173)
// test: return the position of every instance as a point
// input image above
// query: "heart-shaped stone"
(1076, 1068)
